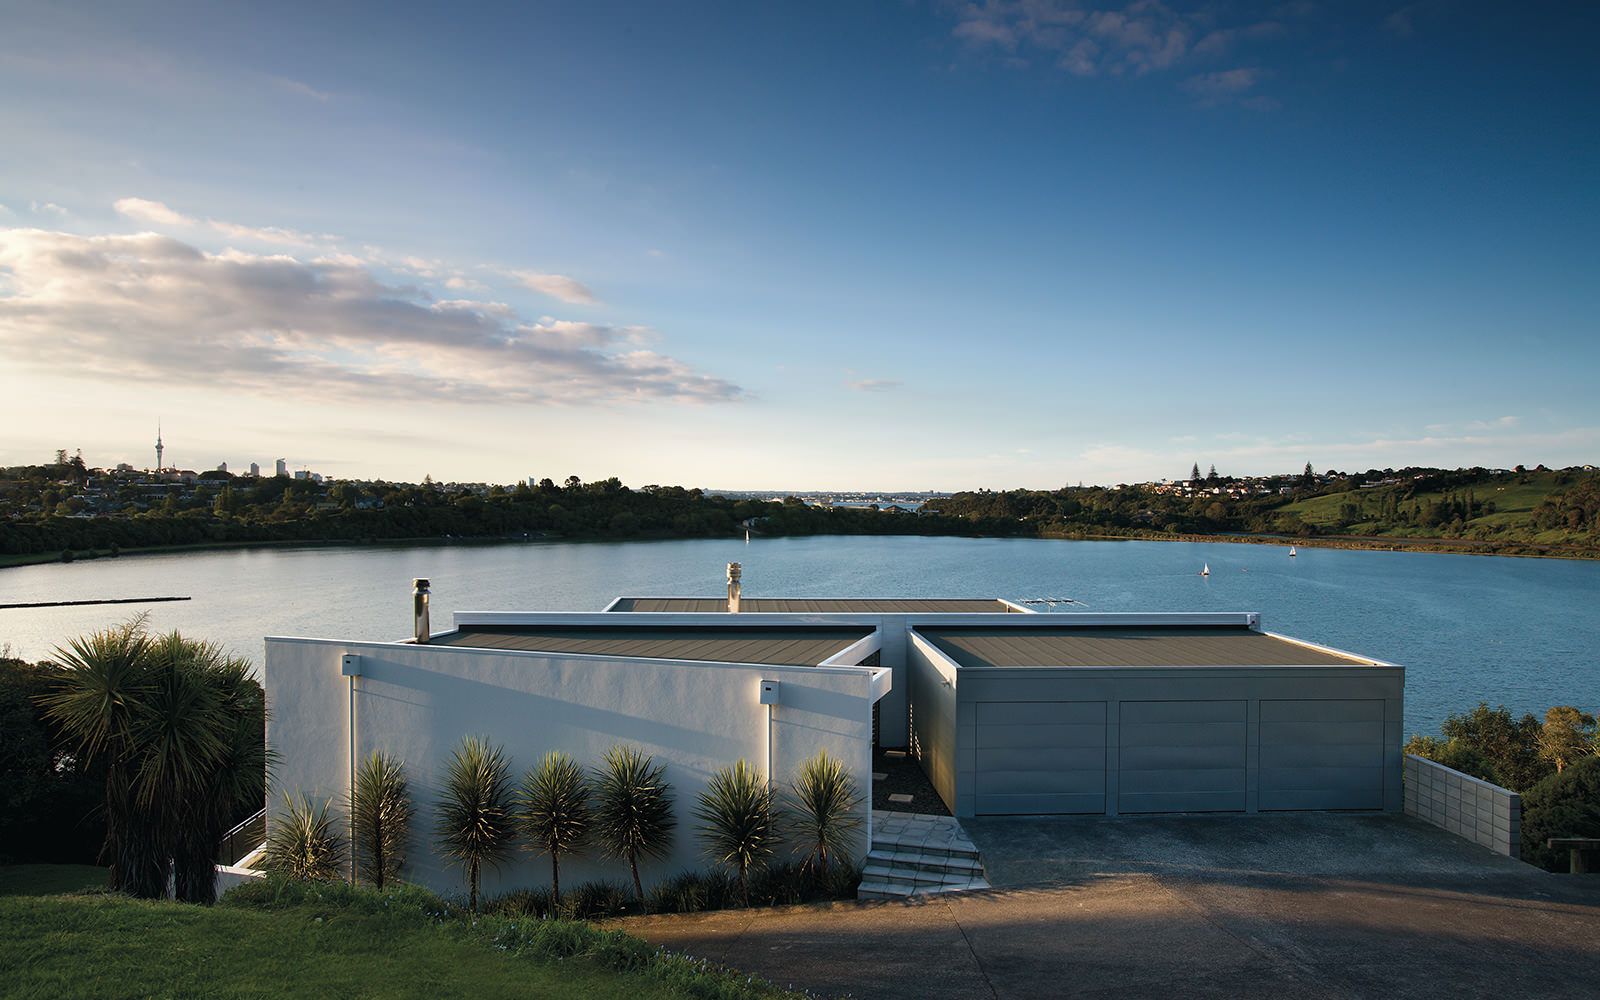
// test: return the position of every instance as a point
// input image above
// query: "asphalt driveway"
(1299, 905)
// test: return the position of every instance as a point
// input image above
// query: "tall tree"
(1567, 734)
(180, 727)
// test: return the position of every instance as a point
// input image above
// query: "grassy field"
(1514, 496)
(304, 940)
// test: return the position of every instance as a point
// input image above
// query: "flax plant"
(305, 842)
(821, 804)
(633, 810)
(476, 822)
(735, 813)
(553, 806)
(380, 818)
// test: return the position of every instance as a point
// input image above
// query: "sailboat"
(1205, 569)
(1291, 552)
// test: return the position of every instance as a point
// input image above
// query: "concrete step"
(875, 889)
(918, 877)
(969, 865)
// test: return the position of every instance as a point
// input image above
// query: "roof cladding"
(804, 646)
(1121, 646)
(800, 605)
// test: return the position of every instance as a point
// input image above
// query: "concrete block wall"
(1465, 806)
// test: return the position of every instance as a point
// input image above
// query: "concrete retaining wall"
(1465, 806)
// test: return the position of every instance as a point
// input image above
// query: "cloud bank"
(151, 308)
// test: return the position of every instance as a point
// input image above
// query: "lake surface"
(1518, 632)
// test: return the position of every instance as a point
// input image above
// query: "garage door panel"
(1022, 759)
(1322, 756)
(1321, 733)
(1182, 758)
(1221, 779)
(1328, 710)
(1164, 712)
(1026, 782)
(1167, 802)
(1032, 805)
(1035, 758)
(1041, 736)
(1013, 713)
(1183, 734)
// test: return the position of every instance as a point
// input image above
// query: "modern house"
(1008, 711)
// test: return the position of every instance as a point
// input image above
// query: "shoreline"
(1444, 546)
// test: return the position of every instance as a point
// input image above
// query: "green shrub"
(521, 903)
(594, 901)
(304, 843)
(1566, 804)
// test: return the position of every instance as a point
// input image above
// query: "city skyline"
(899, 246)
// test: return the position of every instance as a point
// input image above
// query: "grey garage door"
(1321, 754)
(1040, 757)
(1181, 756)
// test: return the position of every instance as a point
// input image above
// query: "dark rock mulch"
(904, 777)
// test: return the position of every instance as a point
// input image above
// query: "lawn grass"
(47, 880)
(299, 940)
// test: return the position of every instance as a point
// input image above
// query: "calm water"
(1522, 632)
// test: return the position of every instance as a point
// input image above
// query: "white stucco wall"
(417, 702)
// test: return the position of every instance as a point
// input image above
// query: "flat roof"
(815, 605)
(1125, 646)
(786, 645)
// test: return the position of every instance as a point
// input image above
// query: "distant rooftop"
(787, 645)
(801, 605)
(1124, 646)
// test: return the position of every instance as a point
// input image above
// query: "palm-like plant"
(98, 702)
(305, 842)
(182, 728)
(476, 821)
(821, 802)
(380, 818)
(735, 813)
(633, 810)
(553, 806)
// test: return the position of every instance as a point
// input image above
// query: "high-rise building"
(283, 467)
(255, 470)
(158, 446)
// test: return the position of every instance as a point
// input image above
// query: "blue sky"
(897, 245)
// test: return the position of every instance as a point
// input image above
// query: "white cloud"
(873, 384)
(271, 234)
(151, 211)
(159, 214)
(143, 308)
(46, 208)
(6, 211)
(557, 286)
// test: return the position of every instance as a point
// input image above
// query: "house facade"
(1008, 711)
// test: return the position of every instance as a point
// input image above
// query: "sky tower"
(158, 446)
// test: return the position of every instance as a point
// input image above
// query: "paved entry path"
(1299, 906)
